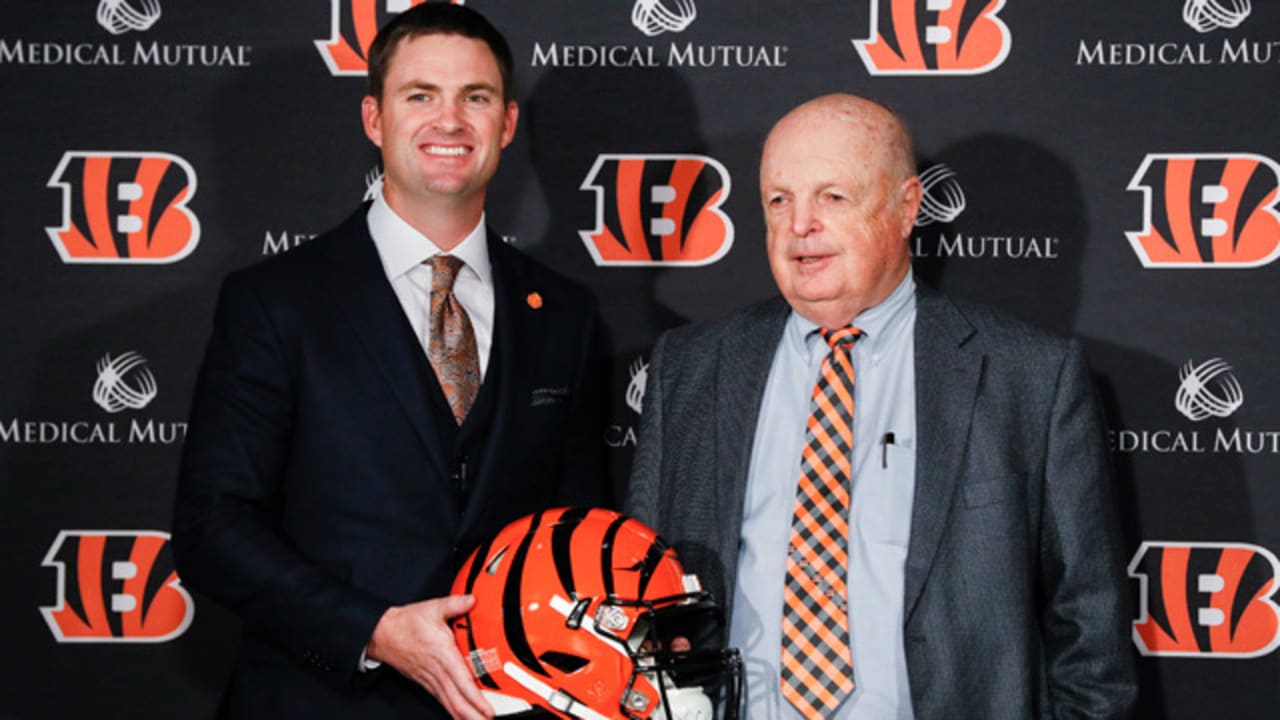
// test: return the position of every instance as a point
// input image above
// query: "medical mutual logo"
(639, 372)
(624, 433)
(1216, 33)
(1207, 211)
(654, 19)
(274, 243)
(939, 236)
(1208, 393)
(943, 198)
(1205, 16)
(1207, 389)
(122, 16)
(122, 384)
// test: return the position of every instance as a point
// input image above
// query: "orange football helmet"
(576, 610)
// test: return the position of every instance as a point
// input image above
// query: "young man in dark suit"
(375, 403)
(904, 499)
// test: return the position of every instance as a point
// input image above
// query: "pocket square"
(548, 396)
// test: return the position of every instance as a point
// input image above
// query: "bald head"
(840, 196)
(883, 132)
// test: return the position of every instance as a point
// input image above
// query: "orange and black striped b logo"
(1207, 210)
(938, 37)
(817, 665)
(658, 210)
(354, 24)
(124, 207)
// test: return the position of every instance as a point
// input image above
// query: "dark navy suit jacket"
(320, 478)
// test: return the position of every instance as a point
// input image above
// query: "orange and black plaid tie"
(817, 667)
(451, 346)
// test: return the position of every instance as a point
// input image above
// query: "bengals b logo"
(116, 586)
(658, 210)
(124, 207)
(1207, 211)
(355, 23)
(935, 37)
(1206, 599)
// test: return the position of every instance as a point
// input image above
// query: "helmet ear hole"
(564, 662)
(495, 562)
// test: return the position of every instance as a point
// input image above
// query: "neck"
(842, 311)
(827, 316)
(446, 222)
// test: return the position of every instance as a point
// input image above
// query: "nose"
(448, 118)
(804, 219)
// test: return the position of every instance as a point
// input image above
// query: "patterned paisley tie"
(817, 666)
(452, 344)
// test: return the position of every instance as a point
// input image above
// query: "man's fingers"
(417, 641)
(460, 673)
(453, 670)
(463, 701)
(451, 606)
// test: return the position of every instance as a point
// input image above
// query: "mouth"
(810, 259)
(446, 150)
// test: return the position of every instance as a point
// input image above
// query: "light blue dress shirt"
(879, 512)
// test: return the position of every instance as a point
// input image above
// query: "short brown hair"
(437, 18)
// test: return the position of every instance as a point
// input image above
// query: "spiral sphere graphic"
(1208, 390)
(1206, 15)
(635, 389)
(124, 382)
(942, 200)
(121, 16)
(654, 17)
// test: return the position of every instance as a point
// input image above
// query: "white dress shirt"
(403, 249)
(879, 510)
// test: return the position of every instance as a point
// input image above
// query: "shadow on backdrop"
(1019, 244)
(570, 119)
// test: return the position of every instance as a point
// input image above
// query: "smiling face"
(840, 197)
(441, 124)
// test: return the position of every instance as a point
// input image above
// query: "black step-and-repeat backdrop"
(1106, 169)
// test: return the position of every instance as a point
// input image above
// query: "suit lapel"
(947, 376)
(364, 298)
(745, 356)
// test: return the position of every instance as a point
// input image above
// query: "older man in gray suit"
(950, 549)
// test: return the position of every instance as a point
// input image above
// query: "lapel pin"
(534, 299)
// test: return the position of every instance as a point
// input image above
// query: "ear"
(910, 193)
(371, 118)
(509, 119)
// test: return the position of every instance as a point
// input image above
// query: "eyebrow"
(423, 85)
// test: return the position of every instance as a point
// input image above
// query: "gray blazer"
(1014, 594)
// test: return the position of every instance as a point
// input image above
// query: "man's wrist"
(369, 656)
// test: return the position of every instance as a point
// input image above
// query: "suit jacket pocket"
(990, 492)
(543, 396)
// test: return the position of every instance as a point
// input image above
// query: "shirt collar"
(402, 248)
(876, 322)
